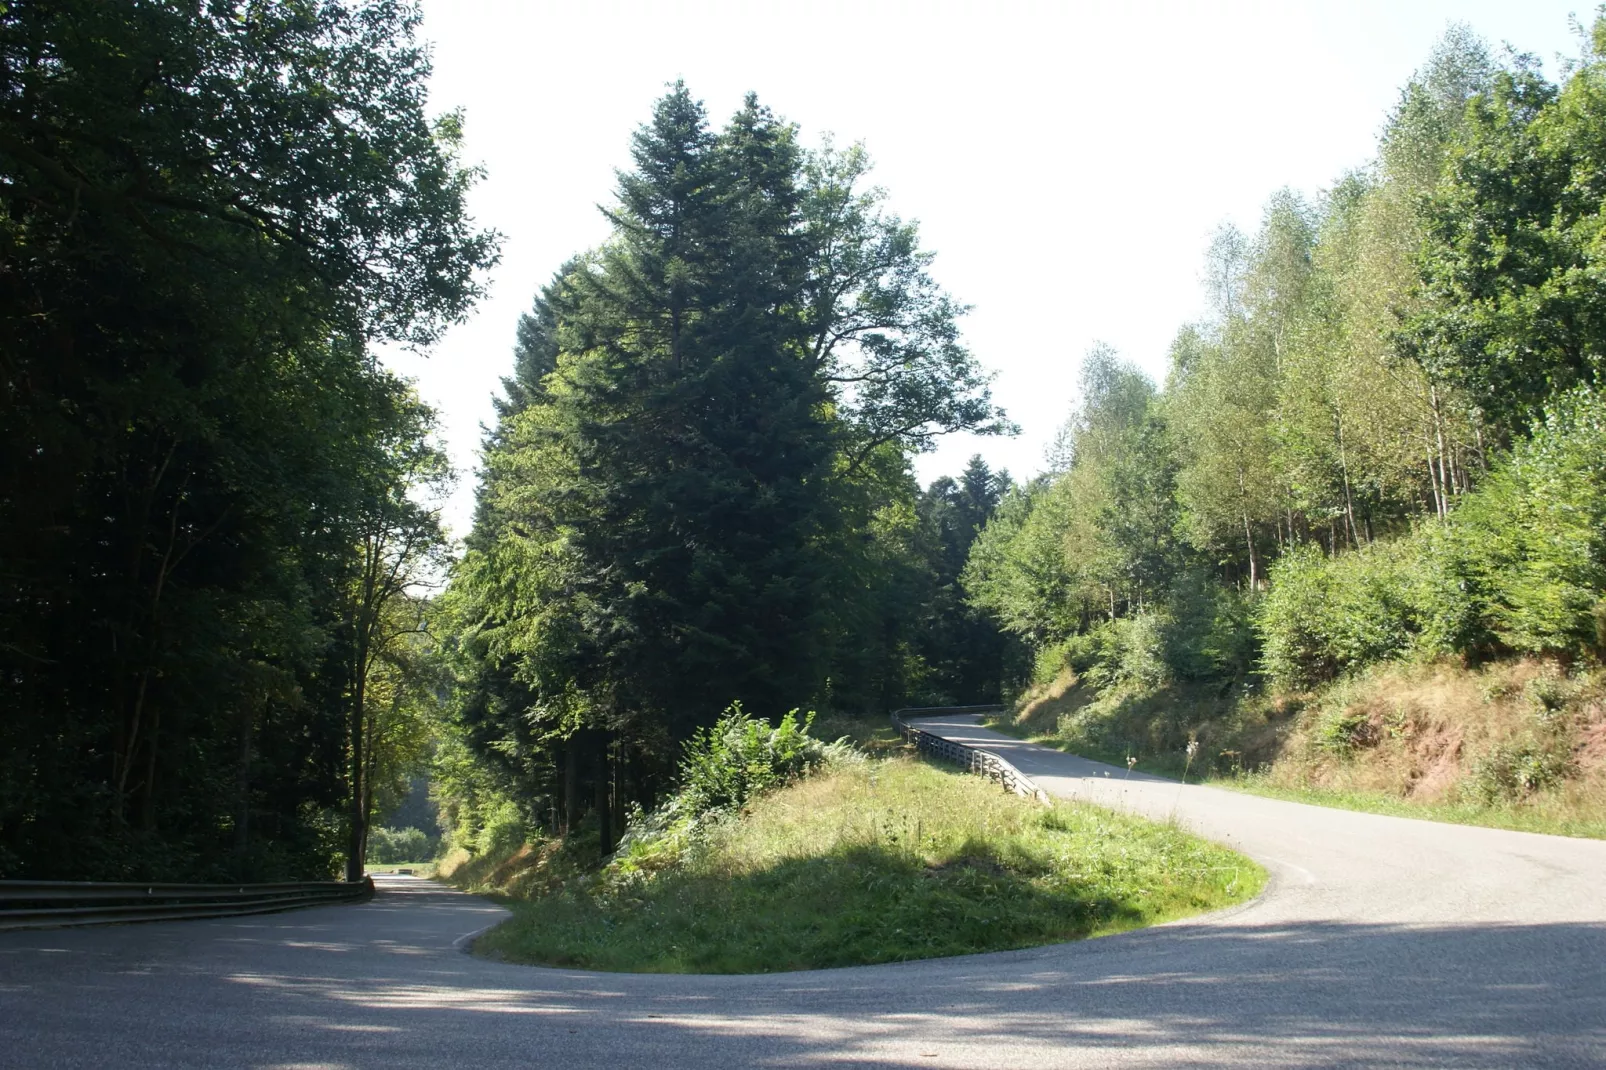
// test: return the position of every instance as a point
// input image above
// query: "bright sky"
(1067, 162)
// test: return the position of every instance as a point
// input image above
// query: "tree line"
(231, 625)
(210, 518)
(1383, 442)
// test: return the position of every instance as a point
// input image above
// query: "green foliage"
(208, 213)
(699, 485)
(1130, 650)
(501, 829)
(1512, 269)
(880, 862)
(1533, 538)
(1292, 418)
(1521, 565)
(1095, 537)
(1208, 630)
(388, 846)
(967, 656)
(1519, 768)
(740, 756)
(1325, 615)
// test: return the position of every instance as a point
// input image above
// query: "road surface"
(1380, 941)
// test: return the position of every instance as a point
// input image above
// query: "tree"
(400, 549)
(965, 652)
(1509, 269)
(1224, 387)
(207, 214)
(880, 331)
(677, 516)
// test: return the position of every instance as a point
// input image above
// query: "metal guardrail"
(970, 759)
(50, 904)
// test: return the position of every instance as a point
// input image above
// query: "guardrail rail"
(972, 760)
(51, 904)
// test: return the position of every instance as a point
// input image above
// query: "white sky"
(1067, 162)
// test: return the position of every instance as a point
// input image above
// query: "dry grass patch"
(1514, 744)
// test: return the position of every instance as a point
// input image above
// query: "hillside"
(1517, 743)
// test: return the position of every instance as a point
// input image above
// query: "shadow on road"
(1300, 995)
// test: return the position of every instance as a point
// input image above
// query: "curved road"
(1380, 942)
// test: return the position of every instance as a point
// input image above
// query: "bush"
(1520, 566)
(387, 846)
(1324, 616)
(721, 769)
(1210, 633)
(727, 764)
(1519, 768)
(1532, 538)
(504, 829)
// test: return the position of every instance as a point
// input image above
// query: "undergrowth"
(868, 861)
(1514, 744)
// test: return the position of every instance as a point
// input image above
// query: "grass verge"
(1558, 820)
(879, 862)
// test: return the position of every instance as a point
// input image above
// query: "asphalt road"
(1379, 942)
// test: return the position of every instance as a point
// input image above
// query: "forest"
(236, 642)
(1383, 447)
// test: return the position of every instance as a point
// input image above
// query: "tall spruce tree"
(693, 506)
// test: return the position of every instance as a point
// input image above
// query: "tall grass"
(877, 862)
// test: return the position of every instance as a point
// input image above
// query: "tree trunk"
(1433, 483)
(242, 794)
(571, 786)
(1438, 435)
(357, 842)
(1254, 559)
(1343, 467)
(604, 795)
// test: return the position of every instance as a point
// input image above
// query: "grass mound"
(876, 862)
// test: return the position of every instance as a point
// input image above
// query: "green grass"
(880, 862)
(1531, 817)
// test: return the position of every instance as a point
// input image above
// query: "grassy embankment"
(878, 861)
(1517, 744)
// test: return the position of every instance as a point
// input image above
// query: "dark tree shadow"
(318, 989)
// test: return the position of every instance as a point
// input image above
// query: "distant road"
(1380, 941)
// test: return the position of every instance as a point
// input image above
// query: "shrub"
(1203, 631)
(721, 769)
(387, 846)
(1532, 538)
(1210, 632)
(1340, 731)
(727, 764)
(1519, 768)
(1129, 650)
(504, 829)
(1049, 660)
(1324, 616)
